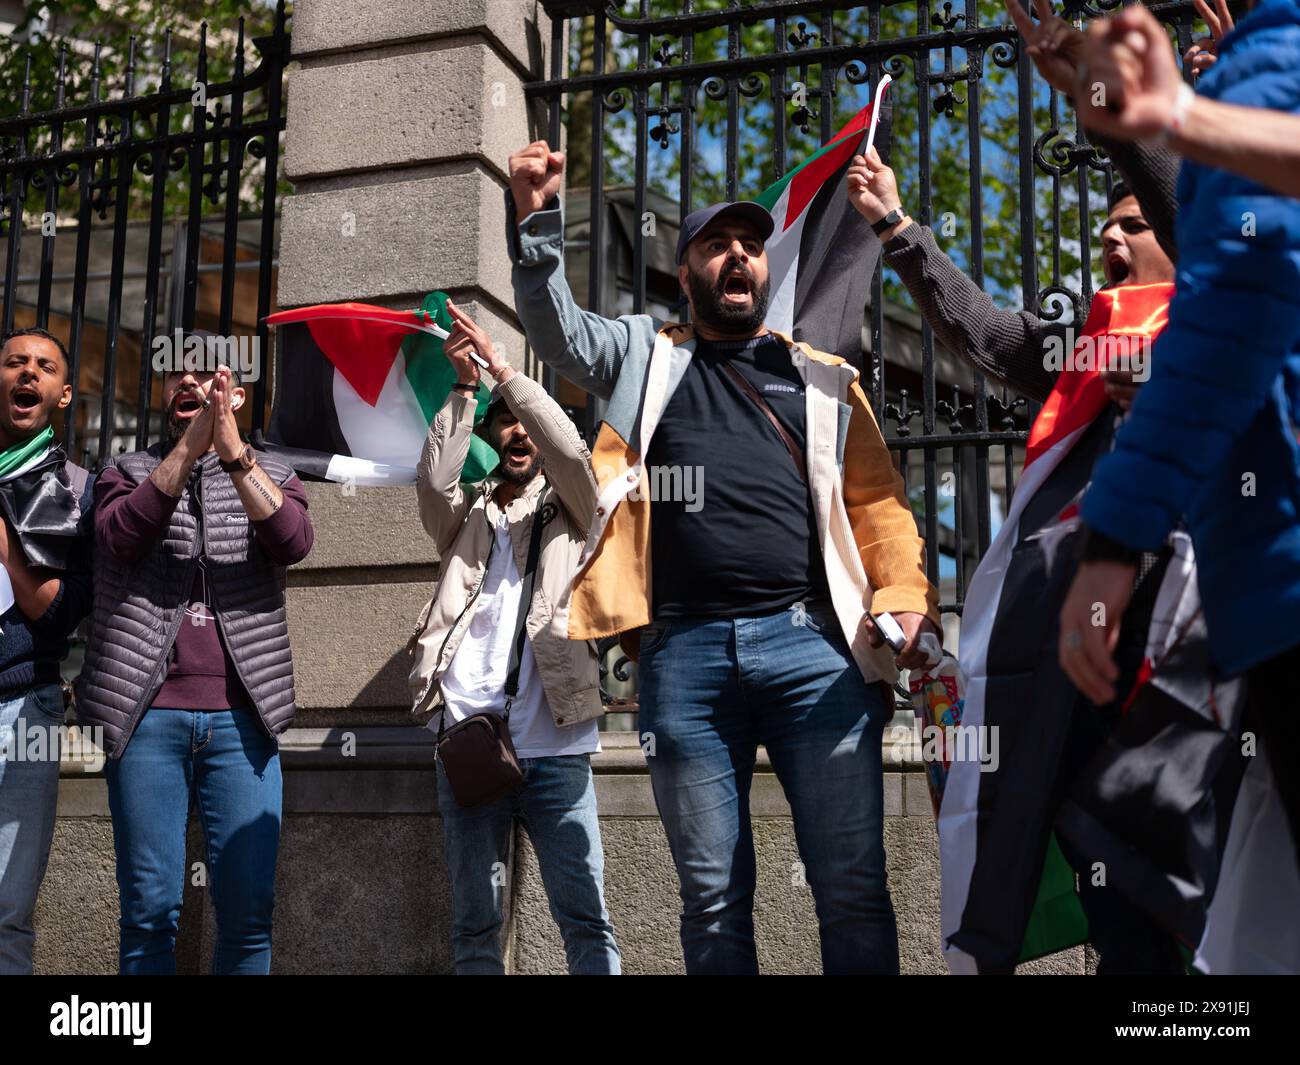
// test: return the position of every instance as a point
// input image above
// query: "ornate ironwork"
(95, 148)
(795, 59)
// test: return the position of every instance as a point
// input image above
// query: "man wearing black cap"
(748, 607)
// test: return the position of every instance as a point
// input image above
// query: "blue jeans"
(712, 690)
(29, 792)
(229, 765)
(557, 806)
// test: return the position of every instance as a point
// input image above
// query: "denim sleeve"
(581, 346)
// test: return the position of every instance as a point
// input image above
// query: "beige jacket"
(462, 524)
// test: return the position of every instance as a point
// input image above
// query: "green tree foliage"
(80, 25)
(945, 108)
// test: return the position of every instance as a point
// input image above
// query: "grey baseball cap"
(696, 222)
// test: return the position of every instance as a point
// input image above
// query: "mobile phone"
(890, 629)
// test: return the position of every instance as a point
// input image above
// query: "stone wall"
(401, 117)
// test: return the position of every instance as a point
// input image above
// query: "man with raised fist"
(748, 606)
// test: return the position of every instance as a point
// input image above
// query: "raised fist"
(535, 175)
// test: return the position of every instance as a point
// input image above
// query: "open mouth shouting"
(1117, 268)
(186, 405)
(519, 454)
(737, 289)
(24, 401)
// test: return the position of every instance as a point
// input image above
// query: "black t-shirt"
(732, 524)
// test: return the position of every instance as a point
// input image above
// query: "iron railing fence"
(691, 97)
(194, 161)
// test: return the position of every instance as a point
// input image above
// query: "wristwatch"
(466, 386)
(892, 219)
(243, 461)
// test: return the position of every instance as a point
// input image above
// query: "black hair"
(1118, 191)
(484, 428)
(44, 334)
(210, 364)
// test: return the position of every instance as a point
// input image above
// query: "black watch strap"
(243, 461)
(892, 219)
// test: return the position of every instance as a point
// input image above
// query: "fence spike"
(94, 74)
(130, 67)
(61, 79)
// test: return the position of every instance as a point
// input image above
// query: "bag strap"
(526, 602)
(526, 598)
(761, 404)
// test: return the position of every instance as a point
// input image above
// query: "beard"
(519, 478)
(175, 427)
(711, 308)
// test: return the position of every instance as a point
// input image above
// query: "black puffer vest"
(139, 608)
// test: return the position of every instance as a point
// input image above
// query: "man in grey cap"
(748, 607)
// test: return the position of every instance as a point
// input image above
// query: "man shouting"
(749, 602)
(45, 507)
(188, 668)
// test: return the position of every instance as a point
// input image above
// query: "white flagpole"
(881, 85)
(442, 334)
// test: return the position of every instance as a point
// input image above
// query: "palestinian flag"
(1008, 894)
(822, 254)
(1251, 924)
(1155, 803)
(359, 386)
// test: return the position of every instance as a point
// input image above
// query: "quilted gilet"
(139, 607)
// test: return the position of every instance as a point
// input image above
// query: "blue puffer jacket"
(1213, 434)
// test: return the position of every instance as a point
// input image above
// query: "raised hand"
(872, 187)
(1127, 83)
(467, 336)
(1052, 43)
(198, 434)
(225, 430)
(1204, 52)
(535, 176)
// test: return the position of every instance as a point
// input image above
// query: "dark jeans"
(231, 767)
(712, 690)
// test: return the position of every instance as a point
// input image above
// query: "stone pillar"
(400, 121)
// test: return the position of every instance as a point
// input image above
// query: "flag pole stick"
(433, 327)
(881, 86)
